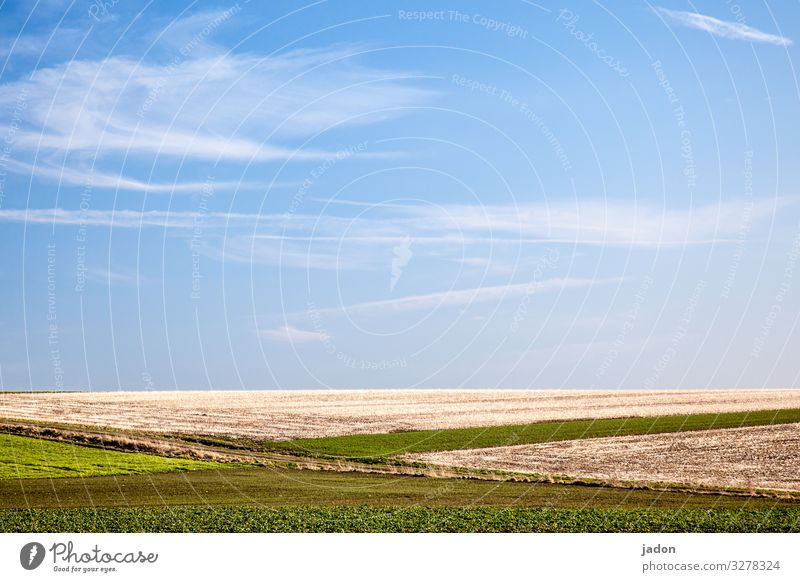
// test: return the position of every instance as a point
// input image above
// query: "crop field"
(760, 457)
(373, 446)
(268, 499)
(285, 415)
(280, 487)
(370, 519)
(26, 458)
(400, 461)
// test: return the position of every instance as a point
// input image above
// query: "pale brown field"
(760, 457)
(282, 415)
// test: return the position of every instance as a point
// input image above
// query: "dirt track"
(282, 415)
(761, 457)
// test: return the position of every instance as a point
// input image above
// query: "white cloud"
(98, 179)
(194, 33)
(289, 334)
(600, 222)
(285, 252)
(496, 239)
(722, 28)
(464, 297)
(55, 43)
(109, 277)
(124, 218)
(227, 106)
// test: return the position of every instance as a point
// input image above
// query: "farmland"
(286, 415)
(385, 445)
(370, 519)
(278, 487)
(270, 499)
(400, 461)
(26, 458)
(761, 457)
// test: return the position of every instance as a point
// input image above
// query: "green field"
(396, 519)
(286, 487)
(27, 458)
(104, 490)
(379, 446)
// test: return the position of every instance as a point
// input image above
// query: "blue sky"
(353, 195)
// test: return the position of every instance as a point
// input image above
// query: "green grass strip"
(396, 519)
(280, 487)
(27, 458)
(377, 446)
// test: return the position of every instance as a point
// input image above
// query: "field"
(27, 458)
(385, 445)
(760, 457)
(400, 461)
(285, 415)
(369, 519)
(271, 499)
(281, 487)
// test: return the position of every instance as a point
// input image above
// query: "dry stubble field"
(285, 415)
(760, 457)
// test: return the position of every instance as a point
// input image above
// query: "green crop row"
(396, 519)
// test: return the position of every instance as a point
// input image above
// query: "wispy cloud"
(476, 235)
(464, 297)
(583, 222)
(597, 222)
(125, 218)
(97, 179)
(290, 334)
(722, 28)
(106, 276)
(54, 43)
(221, 106)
